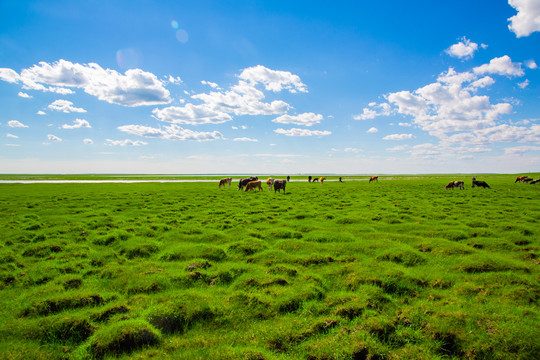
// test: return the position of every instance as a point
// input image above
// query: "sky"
(269, 87)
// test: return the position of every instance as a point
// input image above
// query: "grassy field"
(397, 269)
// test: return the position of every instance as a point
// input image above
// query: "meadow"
(399, 269)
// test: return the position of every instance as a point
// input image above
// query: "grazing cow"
(528, 179)
(374, 178)
(450, 185)
(270, 182)
(479, 183)
(459, 184)
(224, 182)
(309, 178)
(534, 181)
(252, 185)
(322, 179)
(279, 184)
(244, 182)
(315, 179)
(520, 178)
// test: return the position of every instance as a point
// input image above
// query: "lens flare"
(128, 58)
(182, 36)
(174, 25)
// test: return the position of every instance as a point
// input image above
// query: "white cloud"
(398, 148)
(211, 84)
(65, 106)
(373, 110)
(501, 66)
(352, 150)
(524, 84)
(243, 127)
(373, 130)
(77, 124)
(40, 112)
(245, 139)
(12, 136)
(464, 49)
(135, 88)
(273, 80)
(9, 75)
(126, 142)
(88, 141)
(527, 20)
(519, 150)
(405, 124)
(53, 138)
(306, 119)
(172, 132)
(398, 137)
(191, 114)
(24, 95)
(15, 123)
(174, 80)
(531, 64)
(302, 132)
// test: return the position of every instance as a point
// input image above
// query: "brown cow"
(450, 185)
(224, 182)
(374, 178)
(322, 179)
(252, 185)
(520, 178)
(459, 184)
(270, 182)
(315, 179)
(279, 184)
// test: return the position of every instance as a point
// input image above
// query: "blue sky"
(269, 87)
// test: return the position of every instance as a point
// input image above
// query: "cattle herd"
(253, 183)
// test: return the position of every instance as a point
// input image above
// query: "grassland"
(397, 269)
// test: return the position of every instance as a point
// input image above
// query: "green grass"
(397, 269)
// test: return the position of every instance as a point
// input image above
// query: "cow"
(322, 179)
(243, 182)
(315, 179)
(279, 184)
(520, 178)
(459, 184)
(479, 183)
(252, 185)
(224, 182)
(535, 181)
(527, 180)
(374, 178)
(309, 178)
(450, 185)
(270, 182)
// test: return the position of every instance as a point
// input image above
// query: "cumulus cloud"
(40, 112)
(352, 150)
(9, 75)
(12, 136)
(211, 84)
(464, 49)
(372, 130)
(24, 95)
(191, 114)
(405, 124)
(133, 88)
(306, 119)
(77, 124)
(527, 20)
(65, 106)
(531, 64)
(172, 132)
(245, 139)
(16, 124)
(126, 142)
(302, 132)
(501, 66)
(174, 80)
(273, 80)
(398, 137)
(373, 110)
(88, 141)
(53, 138)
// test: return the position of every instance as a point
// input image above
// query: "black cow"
(279, 184)
(244, 182)
(479, 183)
(534, 181)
